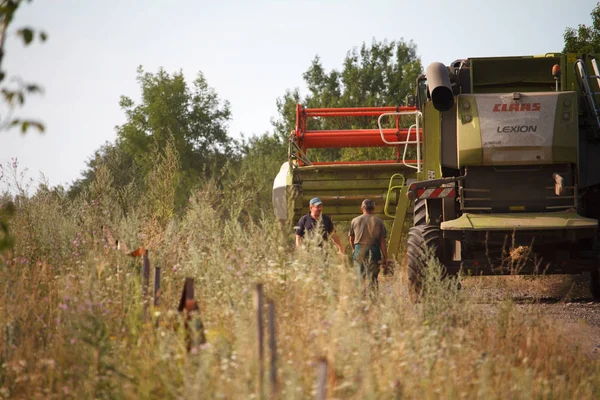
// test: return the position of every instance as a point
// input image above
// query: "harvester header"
(340, 138)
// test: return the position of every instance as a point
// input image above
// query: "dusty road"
(562, 298)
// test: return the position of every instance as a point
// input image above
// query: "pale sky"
(249, 51)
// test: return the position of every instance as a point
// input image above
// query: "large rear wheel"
(595, 284)
(422, 244)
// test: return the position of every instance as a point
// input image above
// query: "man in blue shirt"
(317, 222)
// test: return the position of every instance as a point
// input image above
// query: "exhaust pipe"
(439, 87)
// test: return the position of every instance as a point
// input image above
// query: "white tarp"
(280, 192)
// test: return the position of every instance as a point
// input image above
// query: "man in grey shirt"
(367, 237)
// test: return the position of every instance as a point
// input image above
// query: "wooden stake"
(187, 293)
(322, 379)
(272, 347)
(156, 285)
(145, 280)
(258, 305)
(188, 305)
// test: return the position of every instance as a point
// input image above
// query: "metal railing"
(588, 92)
(417, 141)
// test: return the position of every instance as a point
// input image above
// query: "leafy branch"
(15, 96)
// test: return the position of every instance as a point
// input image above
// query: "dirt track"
(564, 298)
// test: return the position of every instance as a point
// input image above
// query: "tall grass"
(73, 321)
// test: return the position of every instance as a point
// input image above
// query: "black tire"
(420, 212)
(595, 284)
(420, 238)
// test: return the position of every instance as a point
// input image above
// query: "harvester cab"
(499, 161)
(519, 147)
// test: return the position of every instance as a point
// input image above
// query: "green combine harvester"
(498, 159)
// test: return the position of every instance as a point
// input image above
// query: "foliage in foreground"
(73, 321)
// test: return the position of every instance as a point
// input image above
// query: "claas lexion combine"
(498, 159)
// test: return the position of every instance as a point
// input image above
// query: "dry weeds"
(73, 324)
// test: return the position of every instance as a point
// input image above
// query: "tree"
(382, 74)
(191, 119)
(587, 38)
(262, 157)
(195, 117)
(119, 163)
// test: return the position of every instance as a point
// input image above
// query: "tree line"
(176, 135)
(175, 139)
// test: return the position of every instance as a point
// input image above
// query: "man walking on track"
(367, 237)
(315, 222)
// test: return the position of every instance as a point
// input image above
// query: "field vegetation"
(75, 323)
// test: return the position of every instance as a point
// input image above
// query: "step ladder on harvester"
(401, 187)
(588, 93)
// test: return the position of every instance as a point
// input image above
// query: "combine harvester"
(500, 163)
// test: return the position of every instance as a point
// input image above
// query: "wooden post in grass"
(10, 340)
(188, 305)
(398, 390)
(156, 285)
(188, 291)
(322, 379)
(7, 341)
(145, 281)
(272, 347)
(258, 305)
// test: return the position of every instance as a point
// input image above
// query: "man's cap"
(315, 201)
